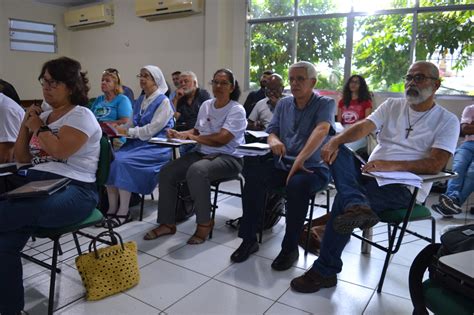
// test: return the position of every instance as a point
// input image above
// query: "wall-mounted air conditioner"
(89, 16)
(156, 9)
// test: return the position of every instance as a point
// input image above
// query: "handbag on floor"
(109, 270)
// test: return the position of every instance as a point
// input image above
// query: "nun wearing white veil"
(138, 163)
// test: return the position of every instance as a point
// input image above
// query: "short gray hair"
(310, 68)
(190, 74)
(431, 66)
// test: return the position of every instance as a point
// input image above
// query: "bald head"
(430, 67)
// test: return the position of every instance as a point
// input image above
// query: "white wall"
(201, 43)
(22, 68)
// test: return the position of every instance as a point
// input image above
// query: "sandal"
(202, 231)
(155, 233)
(115, 220)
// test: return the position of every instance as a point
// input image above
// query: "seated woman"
(138, 162)
(219, 130)
(66, 140)
(113, 107)
(355, 105)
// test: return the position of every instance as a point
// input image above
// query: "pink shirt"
(467, 118)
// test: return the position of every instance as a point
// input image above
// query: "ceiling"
(68, 3)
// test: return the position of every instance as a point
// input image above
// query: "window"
(375, 39)
(32, 36)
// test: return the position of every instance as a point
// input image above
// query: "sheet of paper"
(172, 140)
(257, 134)
(404, 178)
(249, 152)
(255, 146)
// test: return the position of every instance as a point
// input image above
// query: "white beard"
(422, 95)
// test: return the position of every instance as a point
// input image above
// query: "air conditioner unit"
(90, 16)
(155, 9)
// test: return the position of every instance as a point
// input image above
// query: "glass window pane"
(270, 49)
(32, 26)
(31, 47)
(381, 51)
(370, 5)
(271, 8)
(322, 42)
(437, 3)
(309, 7)
(453, 54)
(15, 35)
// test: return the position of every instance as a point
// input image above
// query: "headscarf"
(158, 77)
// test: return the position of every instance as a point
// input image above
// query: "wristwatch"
(41, 129)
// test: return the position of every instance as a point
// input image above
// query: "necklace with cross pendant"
(410, 125)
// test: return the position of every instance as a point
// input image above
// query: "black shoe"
(446, 213)
(451, 204)
(357, 216)
(285, 260)
(244, 251)
(312, 281)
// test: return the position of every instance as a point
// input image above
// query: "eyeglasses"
(274, 92)
(49, 83)
(221, 83)
(418, 78)
(145, 76)
(298, 80)
(114, 72)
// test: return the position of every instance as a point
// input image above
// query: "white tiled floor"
(182, 279)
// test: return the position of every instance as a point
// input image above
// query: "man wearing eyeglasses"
(415, 135)
(262, 113)
(300, 125)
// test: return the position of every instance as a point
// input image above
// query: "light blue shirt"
(294, 126)
(117, 108)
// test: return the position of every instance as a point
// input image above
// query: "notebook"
(38, 188)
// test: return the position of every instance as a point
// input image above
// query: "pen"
(279, 160)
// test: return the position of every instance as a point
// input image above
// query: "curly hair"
(68, 71)
(363, 93)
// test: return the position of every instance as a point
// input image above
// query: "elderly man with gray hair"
(188, 100)
(301, 124)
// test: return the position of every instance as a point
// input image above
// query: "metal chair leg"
(310, 221)
(142, 203)
(52, 282)
(76, 241)
(214, 207)
(387, 258)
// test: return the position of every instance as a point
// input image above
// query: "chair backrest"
(105, 158)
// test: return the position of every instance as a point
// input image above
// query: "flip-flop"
(152, 234)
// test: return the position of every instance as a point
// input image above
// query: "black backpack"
(184, 204)
(274, 209)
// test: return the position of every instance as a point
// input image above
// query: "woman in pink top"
(356, 102)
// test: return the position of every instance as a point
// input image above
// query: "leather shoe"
(285, 260)
(244, 251)
(312, 281)
(357, 216)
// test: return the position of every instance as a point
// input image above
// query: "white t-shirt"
(467, 118)
(231, 117)
(11, 116)
(262, 112)
(82, 165)
(437, 128)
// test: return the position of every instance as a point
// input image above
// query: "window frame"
(349, 35)
(11, 30)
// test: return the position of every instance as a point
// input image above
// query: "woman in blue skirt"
(137, 163)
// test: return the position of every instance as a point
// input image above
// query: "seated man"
(11, 116)
(262, 113)
(256, 96)
(188, 100)
(300, 125)
(415, 135)
(175, 76)
(461, 187)
(8, 90)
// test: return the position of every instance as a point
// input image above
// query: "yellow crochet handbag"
(110, 270)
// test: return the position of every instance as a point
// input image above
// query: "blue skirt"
(137, 165)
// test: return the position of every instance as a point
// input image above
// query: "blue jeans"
(461, 187)
(353, 189)
(18, 217)
(261, 176)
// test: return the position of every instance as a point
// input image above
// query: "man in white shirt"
(11, 116)
(415, 135)
(262, 113)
